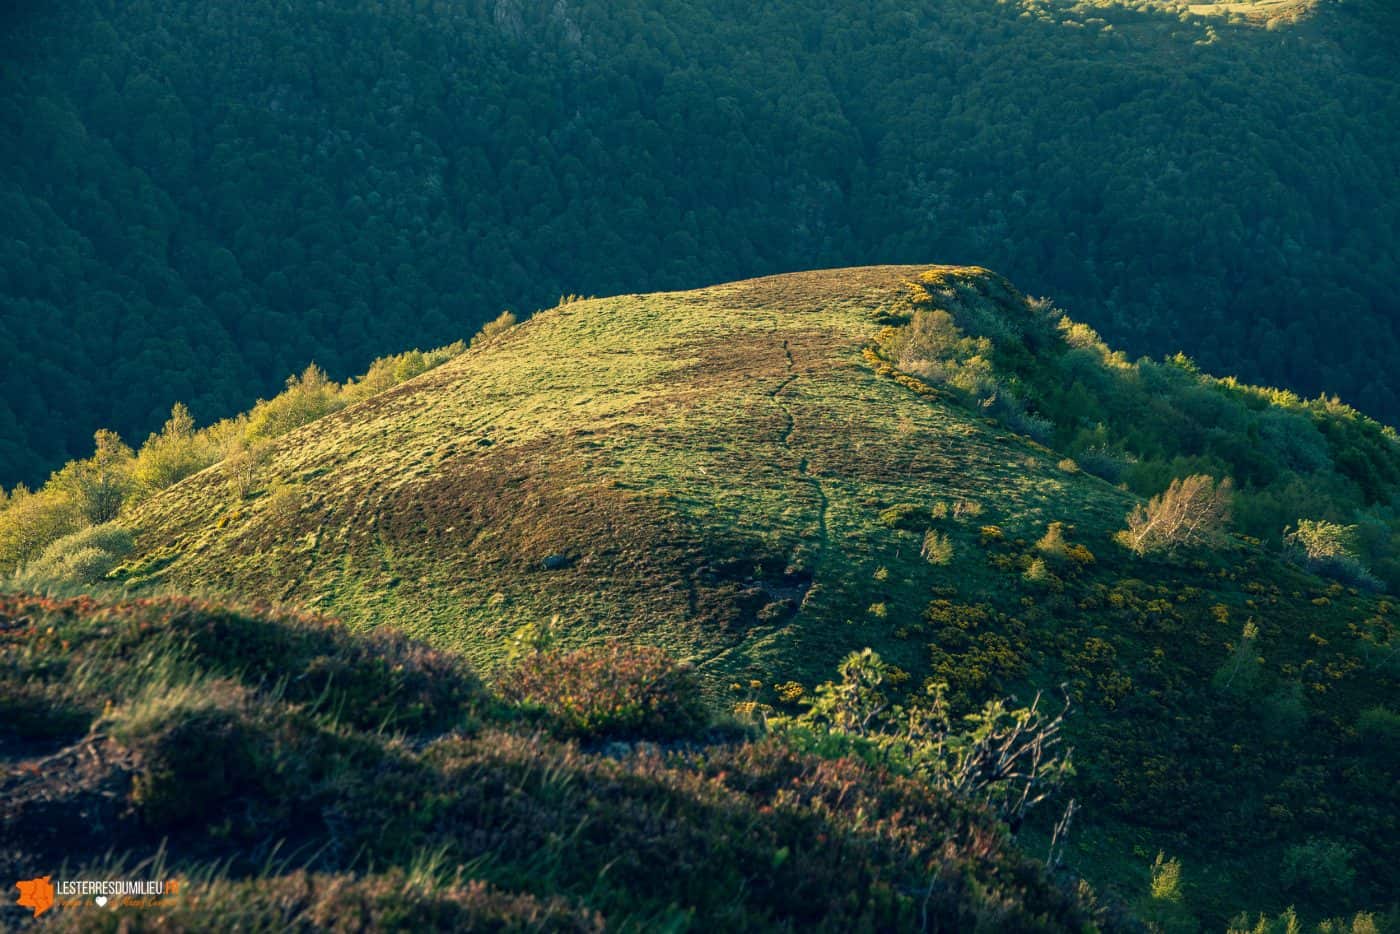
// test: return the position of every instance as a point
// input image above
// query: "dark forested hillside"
(198, 198)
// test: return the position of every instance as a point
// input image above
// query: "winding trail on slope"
(804, 470)
(804, 467)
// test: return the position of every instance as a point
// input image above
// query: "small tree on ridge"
(1191, 513)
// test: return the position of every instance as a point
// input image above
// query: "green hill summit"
(762, 477)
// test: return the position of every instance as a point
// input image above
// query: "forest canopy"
(198, 199)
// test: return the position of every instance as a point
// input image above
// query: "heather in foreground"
(302, 777)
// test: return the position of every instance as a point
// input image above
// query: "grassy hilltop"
(712, 466)
(763, 476)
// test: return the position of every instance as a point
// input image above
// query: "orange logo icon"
(36, 894)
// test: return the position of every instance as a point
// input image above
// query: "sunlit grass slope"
(711, 466)
(741, 476)
(1256, 12)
